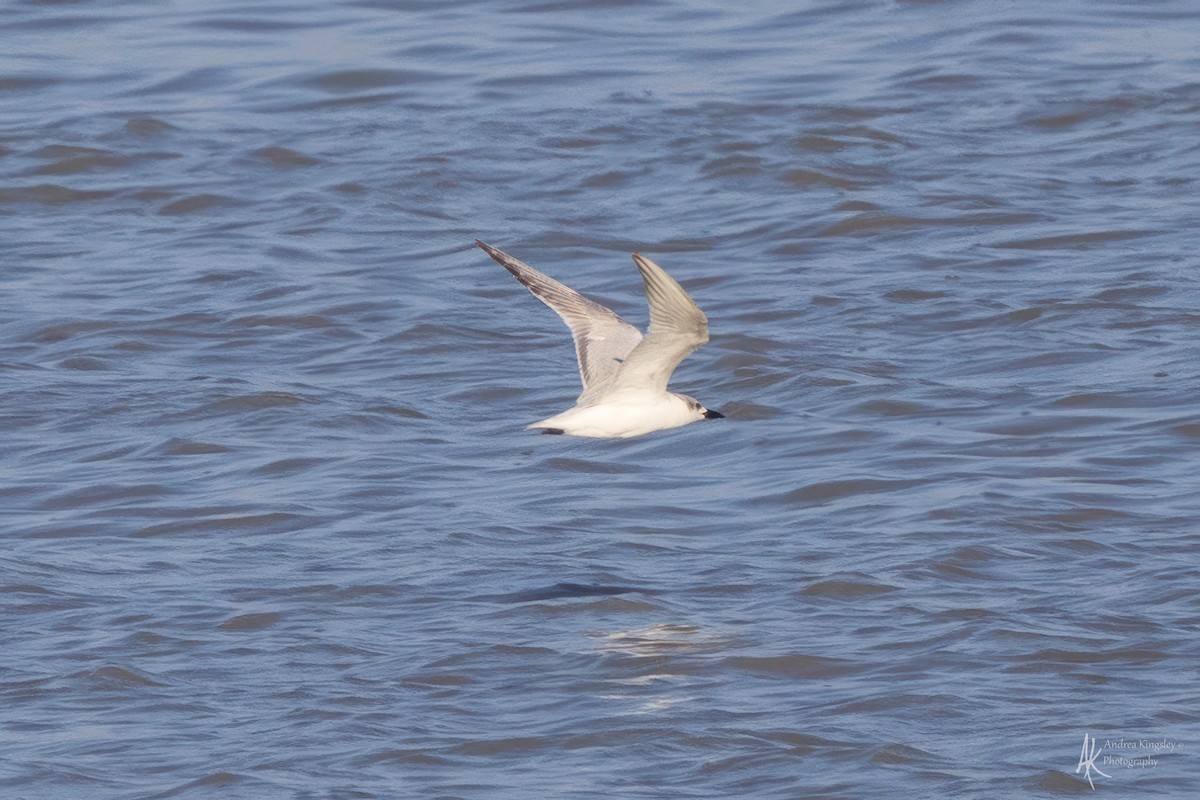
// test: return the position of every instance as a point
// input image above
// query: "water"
(273, 529)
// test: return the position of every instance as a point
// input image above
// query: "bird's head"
(699, 410)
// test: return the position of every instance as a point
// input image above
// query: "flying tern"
(624, 373)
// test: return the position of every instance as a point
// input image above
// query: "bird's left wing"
(602, 339)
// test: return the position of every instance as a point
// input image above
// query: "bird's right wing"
(602, 339)
(677, 327)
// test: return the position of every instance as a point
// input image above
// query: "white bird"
(624, 374)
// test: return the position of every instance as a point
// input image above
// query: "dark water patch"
(1074, 241)
(1071, 115)
(202, 80)
(289, 466)
(944, 82)
(798, 666)
(397, 411)
(252, 402)
(305, 321)
(913, 295)
(809, 178)
(248, 24)
(845, 589)
(608, 605)
(1054, 660)
(284, 157)
(338, 102)
(732, 166)
(895, 408)
(216, 276)
(116, 678)
(224, 782)
(1023, 315)
(109, 454)
(1061, 783)
(558, 591)
(50, 194)
(1044, 424)
(566, 78)
(105, 495)
(61, 22)
(187, 447)
(251, 622)
(509, 746)
(59, 332)
(437, 680)
(34, 599)
(1189, 431)
(147, 126)
(84, 364)
(69, 160)
(245, 524)
(411, 756)
(200, 203)
(276, 292)
(939, 705)
(802, 743)
(552, 7)
(592, 467)
(24, 588)
(350, 81)
(26, 83)
(832, 491)
(1130, 293)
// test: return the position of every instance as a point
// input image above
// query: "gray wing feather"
(677, 327)
(602, 339)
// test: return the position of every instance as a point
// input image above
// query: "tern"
(624, 373)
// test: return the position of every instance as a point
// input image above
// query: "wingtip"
(646, 266)
(498, 255)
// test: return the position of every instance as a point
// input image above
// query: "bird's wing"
(602, 339)
(677, 327)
